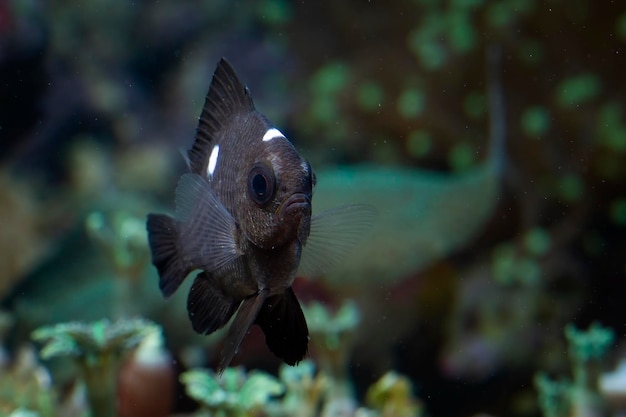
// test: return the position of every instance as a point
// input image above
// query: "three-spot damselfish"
(243, 219)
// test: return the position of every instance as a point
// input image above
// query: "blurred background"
(500, 182)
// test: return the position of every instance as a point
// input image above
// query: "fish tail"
(284, 326)
(163, 237)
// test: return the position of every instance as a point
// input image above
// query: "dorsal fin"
(227, 97)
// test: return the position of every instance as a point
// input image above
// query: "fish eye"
(261, 184)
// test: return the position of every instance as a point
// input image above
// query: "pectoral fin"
(334, 232)
(207, 229)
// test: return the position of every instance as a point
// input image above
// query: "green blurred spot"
(424, 44)
(411, 103)
(503, 264)
(499, 14)
(275, 12)
(611, 129)
(431, 55)
(419, 143)
(535, 121)
(570, 188)
(370, 96)
(461, 157)
(620, 27)
(475, 104)
(330, 79)
(537, 241)
(617, 211)
(528, 271)
(576, 90)
(461, 34)
(324, 110)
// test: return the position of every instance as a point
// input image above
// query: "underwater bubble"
(537, 241)
(620, 27)
(535, 121)
(411, 103)
(419, 143)
(570, 188)
(370, 96)
(462, 156)
(576, 90)
(475, 104)
(617, 211)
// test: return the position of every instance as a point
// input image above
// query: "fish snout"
(295, 205)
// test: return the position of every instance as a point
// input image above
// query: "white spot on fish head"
(210, 169)
(272, 134)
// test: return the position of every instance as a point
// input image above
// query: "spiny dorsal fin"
(227, 97)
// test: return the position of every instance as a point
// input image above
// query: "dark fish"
(243, 216)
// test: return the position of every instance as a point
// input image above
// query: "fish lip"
(297, 202)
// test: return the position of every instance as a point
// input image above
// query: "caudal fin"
(284, 325)
(163, 237)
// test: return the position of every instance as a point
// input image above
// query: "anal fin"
(285, 328)
(239, 328)
(208, 307)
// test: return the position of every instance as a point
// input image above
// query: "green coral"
(234, 394)
(392, 396)
(587, 349)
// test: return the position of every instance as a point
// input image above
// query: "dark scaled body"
(243, 215)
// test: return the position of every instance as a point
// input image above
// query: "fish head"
(252, 168)
(275, 208)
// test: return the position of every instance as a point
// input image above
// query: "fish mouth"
(294, 204)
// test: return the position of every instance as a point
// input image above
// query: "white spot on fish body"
(272, 134)
(210, 169)
(305, 167)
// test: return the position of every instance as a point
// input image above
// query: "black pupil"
(259, 184)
